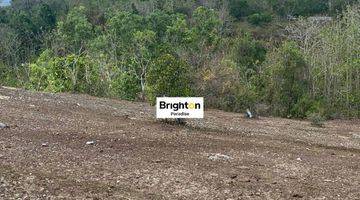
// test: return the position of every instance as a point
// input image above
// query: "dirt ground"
(44, 154)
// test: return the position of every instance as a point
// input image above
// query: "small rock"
(299, 159)
(90, 143)
(244, 167)
(291, 177)
(233, 176)
(356, 136)
(4, 97)
(245, 180)
(3, 126)
(297, 196)
(219, 156)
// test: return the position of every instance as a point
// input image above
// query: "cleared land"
(44, 155)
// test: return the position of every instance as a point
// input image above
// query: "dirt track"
(135, 157)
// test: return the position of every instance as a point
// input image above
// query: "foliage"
(259, 19)
(300, 7)
(333, 57)
(75, 30)
(169, 77)
(61, 74)
(232, 52)
(206, 26)
(44, 18)
(239, 8)
(316, 119)
(126, 86)
(248, 54)
(287, 80)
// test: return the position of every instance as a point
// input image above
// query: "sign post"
(180, 107)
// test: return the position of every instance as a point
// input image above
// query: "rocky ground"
(66, 146)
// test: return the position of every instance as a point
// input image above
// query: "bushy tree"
(4, 18)
(126, 86)
(334, 57)
(75, 31)
(288, 80)
(168, 76)
(259, 19)
(206, 27)
(178, 33)
(44, 18)
(122, 26)
(64, 74)
(159, 21)
(143, 40)
(299, 7)
(239, 8)
(26, 30)
(248, 54)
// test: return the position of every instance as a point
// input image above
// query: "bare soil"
(44, 155)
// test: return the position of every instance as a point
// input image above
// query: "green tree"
(178, 33)
(44, 18)
(120, 30)
(4, 18)
(239, 8)
(169, 77)
(72, 73)
(159, 21)
(248, 54)
(143, 41)
(75, 31)
(206, 27)
(259, 19)
(126, 86)
(288, 80)
(26, 30)
(335, 65)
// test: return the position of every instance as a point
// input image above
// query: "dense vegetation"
(272, 56)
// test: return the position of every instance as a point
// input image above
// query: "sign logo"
(179, 107)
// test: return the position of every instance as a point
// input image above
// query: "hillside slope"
(44, 153)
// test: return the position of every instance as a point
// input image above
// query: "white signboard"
(179, 107)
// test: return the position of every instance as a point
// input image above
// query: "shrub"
(125, 86)
(316, 119)
(9, 76)
(168, 76)
(259, 19)
(248, 53)
(246, 98)
(64, 74)
(38, 77)
(287, 81)
(239, 8)
(306, 106)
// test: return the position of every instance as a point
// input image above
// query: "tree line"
(272, 56)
